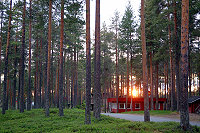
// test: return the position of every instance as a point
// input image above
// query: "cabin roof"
(193, 99)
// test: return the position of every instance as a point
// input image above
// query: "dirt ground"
(193, 117)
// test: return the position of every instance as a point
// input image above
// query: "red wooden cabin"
(194, 104)
(137, 104)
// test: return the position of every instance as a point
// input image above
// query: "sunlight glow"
(134, 93)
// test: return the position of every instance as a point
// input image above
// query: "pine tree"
(88, 66)
(61, 61)
(47, 89)
(97, 91)
(144, 68)
(6, 61)
(29, 63)
(184, 112)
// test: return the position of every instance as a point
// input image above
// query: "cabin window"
(114, 105)
(121, 106)
(137, 105)
(128, 106)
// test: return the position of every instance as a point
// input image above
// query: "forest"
(49, 58)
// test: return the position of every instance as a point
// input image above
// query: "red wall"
(133, 105)
(193, 106)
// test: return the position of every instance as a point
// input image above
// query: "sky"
(107, 9)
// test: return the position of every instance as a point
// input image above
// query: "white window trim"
(135, 105)
(130, 106)
(119, 106)
(158, 105)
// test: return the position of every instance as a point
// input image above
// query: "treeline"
(25, 54)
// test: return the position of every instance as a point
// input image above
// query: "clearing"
(73, 121)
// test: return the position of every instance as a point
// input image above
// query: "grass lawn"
(153, 112)
(73, 121)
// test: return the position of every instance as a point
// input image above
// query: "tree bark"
(151, 77)
(29, 62)
(15, 72)
(177, 55)
(168, 91)
(117, 76)
(57, 83)
(97, 94)
(51, 94)
(6, 61)
(64, 81)
(173, 104)
(40, 74)
(165, 104)
(127, 80)
(75, 80)
(22, 65)
(184, 112)
(144, 66)
(49, 62)
(189, 73)
(156, 86)
(61, 61)
(88, 66)
(37, 76)
(72, 82)
(0, 54)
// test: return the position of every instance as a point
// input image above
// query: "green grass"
(152, 112)
(73, 121)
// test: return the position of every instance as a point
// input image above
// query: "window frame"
(139, 106)
(127, 106)
(120, 107)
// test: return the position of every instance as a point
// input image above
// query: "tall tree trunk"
(177, 55)
(29, 62)
(56, 88)
(105, 79)
(15, 72)
(184, 112)
(61, 61)
(151, 77)
(131, 82)
(22, 65)
(144, 66)
(173, 104)
(97, 94)
(74, 83)
(45, 77)
(64, 81)
(40, 74)
(168, 90)
(67, 84)
(189, 73)
(47, 89)
(8, 84)
(37, 76)
(52, 75)
(0, 53)
(127, 79)
(57, 83)
(77, 86)
(165, 104)
(117, 76)
(43, 86)
(6, 61)
(156, 86)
